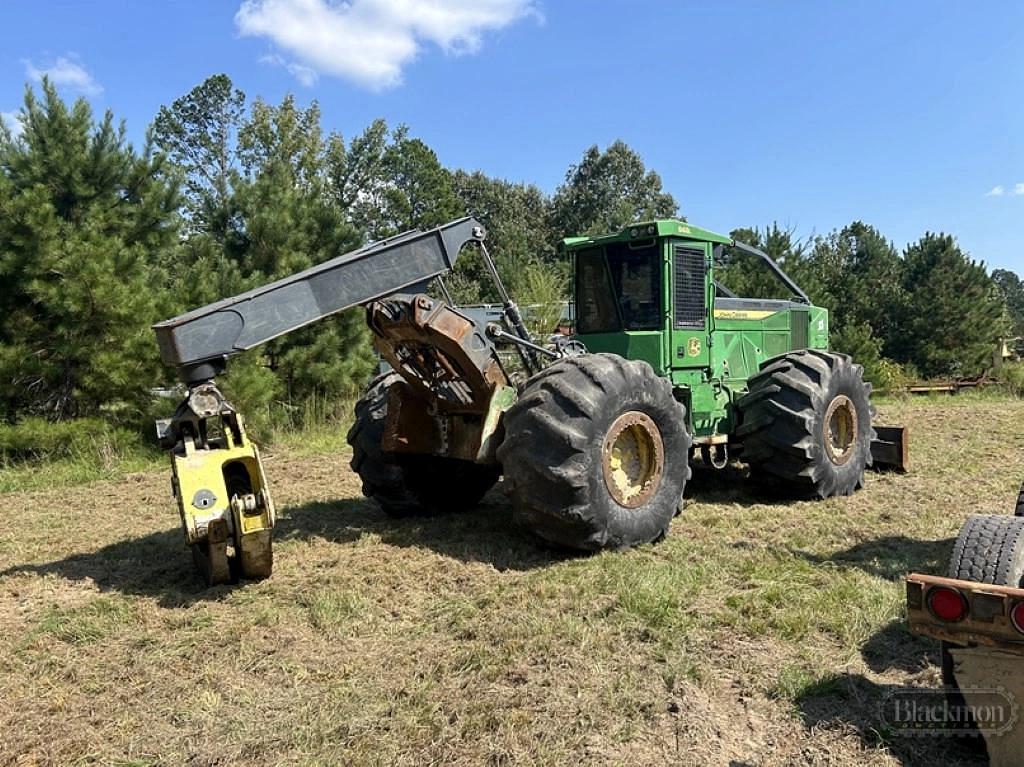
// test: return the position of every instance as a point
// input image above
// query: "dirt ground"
(760, 632)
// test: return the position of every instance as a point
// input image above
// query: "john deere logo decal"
(693, 348)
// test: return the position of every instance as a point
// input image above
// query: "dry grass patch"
(761, 632)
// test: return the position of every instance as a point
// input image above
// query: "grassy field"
(759, 633)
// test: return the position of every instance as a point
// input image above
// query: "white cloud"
(13, 123)
(65, 72)
(998, 191)
(303, 74)
(370, 41)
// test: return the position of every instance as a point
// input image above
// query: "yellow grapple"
(223, 498)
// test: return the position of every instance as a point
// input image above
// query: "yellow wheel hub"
(840, 430)
(633, 459)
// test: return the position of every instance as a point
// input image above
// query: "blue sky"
(907, 115)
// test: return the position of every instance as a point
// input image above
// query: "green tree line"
(929, 311)
(99, 239)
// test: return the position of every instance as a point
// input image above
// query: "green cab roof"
(663, 227)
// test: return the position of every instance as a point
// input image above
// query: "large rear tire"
(409, 485)
(806, 423)
(596, 453)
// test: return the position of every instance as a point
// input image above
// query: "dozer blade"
(889, 448)
(225, 508)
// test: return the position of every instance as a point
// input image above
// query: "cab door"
(690, 333)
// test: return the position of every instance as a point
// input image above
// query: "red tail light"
(1017, 616)
(949, 604)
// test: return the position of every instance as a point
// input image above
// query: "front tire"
(596, 453)
(806, 423)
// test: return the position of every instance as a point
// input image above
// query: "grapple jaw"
(220, 487)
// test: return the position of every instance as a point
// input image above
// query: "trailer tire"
(412, 485)
(596, 453)
(989, 549)
(806, 423)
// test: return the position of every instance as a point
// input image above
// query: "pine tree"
(83, 219)
(606, 191)
(198, 133)
(857, 274)
(289, 223)
(748, 276)
(1012, 291)
(263, 205)
(518, 238)
(387, 182)
(951, 319)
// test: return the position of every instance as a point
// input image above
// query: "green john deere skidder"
(594, 437)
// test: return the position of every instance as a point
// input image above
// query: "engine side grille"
(798, 326)
(690, 293)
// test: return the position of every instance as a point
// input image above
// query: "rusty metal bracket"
(889, 448)
(438, 350)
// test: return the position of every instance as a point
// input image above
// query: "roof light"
(947, 604)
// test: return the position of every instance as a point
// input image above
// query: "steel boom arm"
(198, 342)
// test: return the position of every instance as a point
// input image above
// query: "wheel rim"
(840, 430)
(633, 459)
